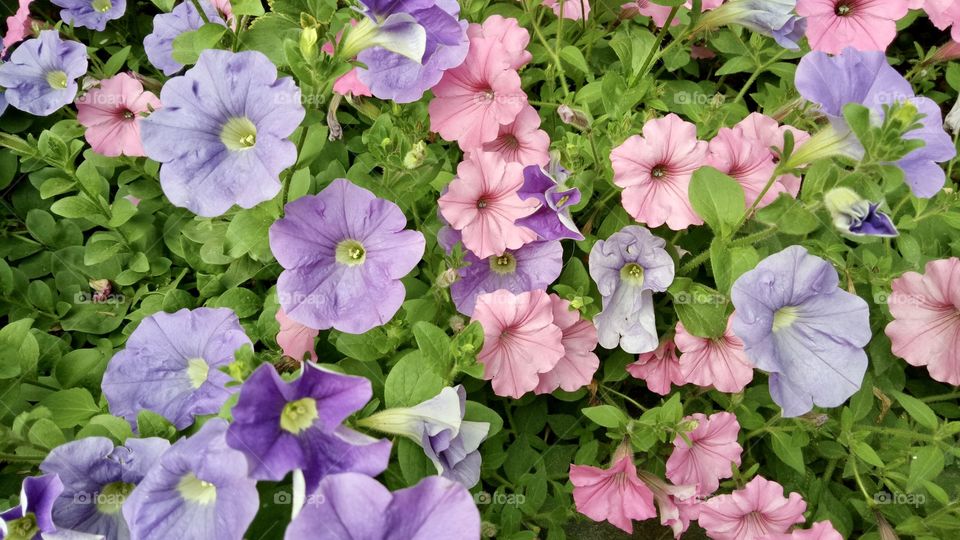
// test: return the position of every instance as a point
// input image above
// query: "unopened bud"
(416, 156)
(573, 117)
(447, 278)
(308, 42)
(457, 323)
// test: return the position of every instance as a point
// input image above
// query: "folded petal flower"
(199, 488)
(578, 364)
(713, 362)
(944, 14)
(92, 14)
(353, 507)
(669, 499)
(97, 478)
(40, 76)
(774, 18)
(281, 426)
(655, 171)
(522, 141)
(616, 494)
(821, 530)
(854, 215)
(712, 449)
(659, 368)
(797, 324)
(167, 26)
(575, 10)
(19, 26)
(294, 338)
(520, 340)
(34, 515)
(771, 135)
(751, 513)
(344, 252)
(747, 162)
(513, 38)
(925, 330)
(552, 219)
(112, 113)
(170, 365)
(866, 25)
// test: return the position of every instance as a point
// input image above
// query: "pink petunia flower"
(616, 494)
(706, 460)
(578, 364)
(944, 14)
(866, 25)
(770, 134)
(513, 38)
(112, 112)
(482, 203)
(520, 340)
(671, 502)
(659, 368)
(655, 172)
(19, 26)
(574, 10)
(821, 530)
(294, 338)
(660, 13)
(522, 141)
(747, 162)
(752, 512)
(925, 330)
(948, 51)
(718, 362)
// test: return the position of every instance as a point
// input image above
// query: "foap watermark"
(506, 499)
(896, 299)
(286, 498)
(84, 498)
(909, 499)
(698, 98)
(699, 297)
(94, 297)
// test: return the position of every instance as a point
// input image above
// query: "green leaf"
(151, 424)
(247, 7)
(926, 464)
(434, 345)
(70, 407)
(607, 416)
(411, 381)
(244, 302)
(113, 65)
(865, 452)
(106, 425)
(702, 310)
(475, 412)
(414, 464)
(45, 434)
(76, 206)
(718, 199)
(188, 45)
(918, 410)
(787, 451)
(248, 232)
(574, 57)
(729, 263)
(789, 216)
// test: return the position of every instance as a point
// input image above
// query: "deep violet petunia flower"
(199, 488)
(170, 365)
(852, 214)
(344, 252)
(866, 25)
(281, 426)
(92, 14)
(925, 330)
(40, 76)
(33, 517)
(97, 478)
(112, 112)
(353, 507)
(578, 364)
(655, 171)
(717, 362)
(615, 494)
(628, 268)
(295, 339)
(522, 141)
(167, 26)
(944, 14)
(866, 78)
(551, 221)
(221, 134)
(752, 512)
(797, 324)
(659, 368)
(531, 267)
(711, 450)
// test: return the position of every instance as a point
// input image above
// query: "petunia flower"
(821, 530)
(670, 502)
(659, 368)
(353, 506)
(655, 171)
(616, 494)
(34, 515)
(199, 489)
(552, 220)
(522, 141)
(482, 203)
(705, 456)
(771, 135)
(437, 425)
(512, 39)
(532, 267)
(221, 134)
(294, 338)
(97, 478)
(947, 52)
(40, 76)
(659, 13)
(19, 26)
(797, 324)
(628, 268)
(713, 362)
(857, 216)
(344, 252)
(925, 330)
(520, 342)
(281, 426)
(578, 363)
(866, 25)
(747, 162)
(944, 14)
(774, 18)
(112, 113)
(92, 14)
(167, 26)
(575, 10)
(752, 512)
(171, 365)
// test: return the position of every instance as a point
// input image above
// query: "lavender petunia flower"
(171, 363)
(531, 267)
(353, 506)
(628, 268)
(866, 78)
(92, 14)
(281, 426)
(789, 35)
(343, 251)
(798, 325)
(221, 134)
(437, 425)
(774, 18)
(3, 103)
(167, 26)
(199, 490)
(34, 515)
(552, 220)
(97, 478)
(854, 215)
(41, 74)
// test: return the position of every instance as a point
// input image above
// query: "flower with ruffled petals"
(92, 14)
(659, 368)
(713, 362)
(512, 38)
(295, 339)
(752, 512)
(578, 364)
(112, 113)
(348, 84)
(771, 136)
(655, 171)
(711, 450)
(670, 501)
(616, 494)
(19, 26)
(866, 25)
(574, 10)
(552, 219)
(925, 330)
(167, 26)
(522, 141)
(41, 74)
(34, 515)
(944, 14)
(821, 530)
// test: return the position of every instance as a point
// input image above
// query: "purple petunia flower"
(92, 14)
(97, 478)
(41, 74)
(628, 268)
(798, 325)
(343, 251)
(167, 26)
(170, 365)
(531, 267)
(437, 425)
(866, 78)
(352, 506)
(221, 134)
(3, 103)
(199, 490)
(552, 220)
(282, 426)
(854, 215)
(34, 515)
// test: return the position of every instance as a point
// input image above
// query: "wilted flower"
(92, 14)
(854, 215)
(774, 18)
(40, 76)
(112, 112)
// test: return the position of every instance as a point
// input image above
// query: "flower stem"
(656, 52)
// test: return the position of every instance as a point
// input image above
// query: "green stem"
(655, 52)
(746, 215)
(627, 398)
(554, 57)
(753, 77)
(856, 477)
(941, 397)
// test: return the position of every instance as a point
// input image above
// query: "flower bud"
(416, 156)
(447, 278)
(308, 42)
(573, 117)
(856, 216)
